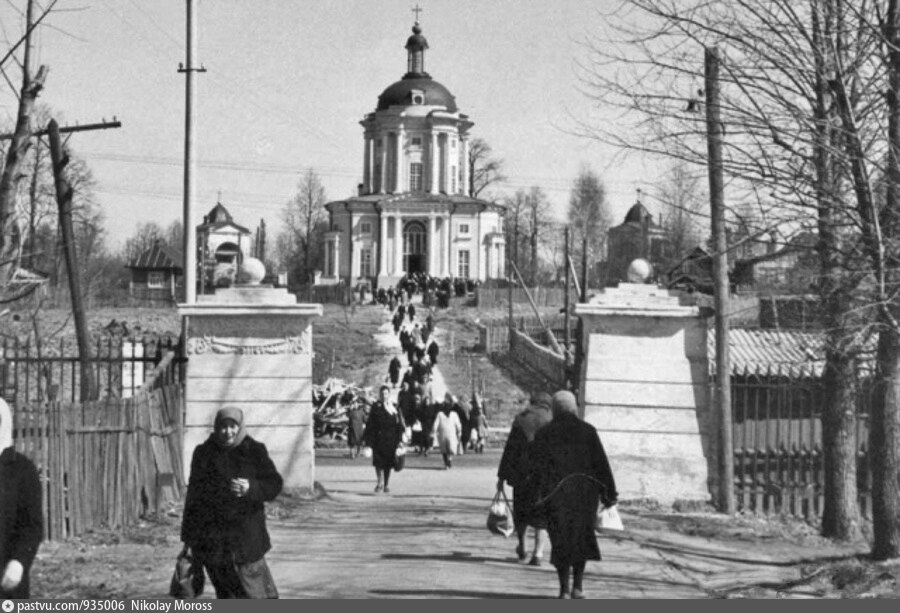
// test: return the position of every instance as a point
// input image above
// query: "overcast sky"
(287, 83)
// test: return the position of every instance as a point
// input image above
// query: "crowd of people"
(435, 291)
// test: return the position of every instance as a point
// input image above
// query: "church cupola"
(415, 48)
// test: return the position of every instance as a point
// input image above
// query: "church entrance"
(415, 247)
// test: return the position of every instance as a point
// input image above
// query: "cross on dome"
(417, 10)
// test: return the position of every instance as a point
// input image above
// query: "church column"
(382, 172)
(445, 247)
(432, 244)
(398, 245)
(464, 166)
(337, 256)
(367, 166)
(382, 246)
(398, 167)
(434, 160)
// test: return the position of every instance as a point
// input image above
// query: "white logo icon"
(8, 606)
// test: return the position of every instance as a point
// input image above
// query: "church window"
(378, 143)
(416, 141)
(415, 177)
(365, 227)
(365, 262)
(156, 279)
(464, 229)
(463, 264)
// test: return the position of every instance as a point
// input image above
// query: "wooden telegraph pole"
(720, 270)
(190, 231)
(567, 332)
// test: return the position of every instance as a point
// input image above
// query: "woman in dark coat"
(516, 470)
(21, 522)
(394, 370)
(384, 431)
(224, 519)
(574, 477)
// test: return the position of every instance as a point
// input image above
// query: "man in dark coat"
(224, 520)
(574, 477)
(21, 522)
(394, 370)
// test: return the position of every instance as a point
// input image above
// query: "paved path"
(428, 539)
(387, 338)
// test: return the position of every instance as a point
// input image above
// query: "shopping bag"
(367, 452)
(187, 579)
(500, 519)
(400, 457)
(608, 519)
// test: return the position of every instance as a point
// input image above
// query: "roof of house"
(766, 352)
(160, 256)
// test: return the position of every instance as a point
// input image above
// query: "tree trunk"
(840, 519)
(884, 445)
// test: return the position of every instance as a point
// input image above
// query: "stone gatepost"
(251, 347)
(644, 386)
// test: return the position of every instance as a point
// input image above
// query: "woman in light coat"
(447, 430)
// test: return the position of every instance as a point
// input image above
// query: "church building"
(412, 213)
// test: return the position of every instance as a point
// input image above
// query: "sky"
(286, 84)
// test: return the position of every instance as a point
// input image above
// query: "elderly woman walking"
(574, 478)
(21, 522)
(447, 430)
(224, 520)
(384, 432)
(516, 470)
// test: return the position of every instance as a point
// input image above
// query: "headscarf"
(5, 426)
(564, 402)
(237, 416)
(535, 416)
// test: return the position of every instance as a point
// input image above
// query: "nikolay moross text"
(165, 606)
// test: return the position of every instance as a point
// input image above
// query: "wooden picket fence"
(105, 464)
(777, 434)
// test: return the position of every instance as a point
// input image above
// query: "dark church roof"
(637, 214)
(401, 93)
(219, 217)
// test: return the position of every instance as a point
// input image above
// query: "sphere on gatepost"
(253, 271)
(639, 271)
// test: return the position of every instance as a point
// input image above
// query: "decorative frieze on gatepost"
(243, 346)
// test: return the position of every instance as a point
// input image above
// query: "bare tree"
(588, 214)
(303, 218)
(484, 169)
(684, 202)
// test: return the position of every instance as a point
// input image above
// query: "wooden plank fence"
(489, 298)
(109, 462)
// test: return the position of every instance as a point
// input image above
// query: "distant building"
(156, 275)
(693, 273)
(412, 213)
(792, 269)
(223, 244)
(637, 237)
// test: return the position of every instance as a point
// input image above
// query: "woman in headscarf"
(224, 519)
(516, 470)
(478, 420)
(574, 478)
(21, 522)
(447, 430)
(384, 432)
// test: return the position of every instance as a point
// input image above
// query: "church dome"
(401, 93)
(637, 214)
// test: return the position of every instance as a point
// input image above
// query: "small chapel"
(413, 213)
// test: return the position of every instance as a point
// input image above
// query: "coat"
(216, 523)
(573, 476)
(447, 430)
(516, 469)
(21, 522)
(357, 424)
(384, 430)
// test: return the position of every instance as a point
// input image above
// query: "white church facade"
(412, 213)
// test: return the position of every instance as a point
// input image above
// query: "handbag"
(608, 519)
(500, 520)
(187, 579)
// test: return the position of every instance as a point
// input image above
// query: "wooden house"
(157, 275)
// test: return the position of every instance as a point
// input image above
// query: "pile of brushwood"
(331, 403)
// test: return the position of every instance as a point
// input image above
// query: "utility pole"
(720, 272)
(64, 203)
(190, 232)
(584, 258)
(567, 332)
